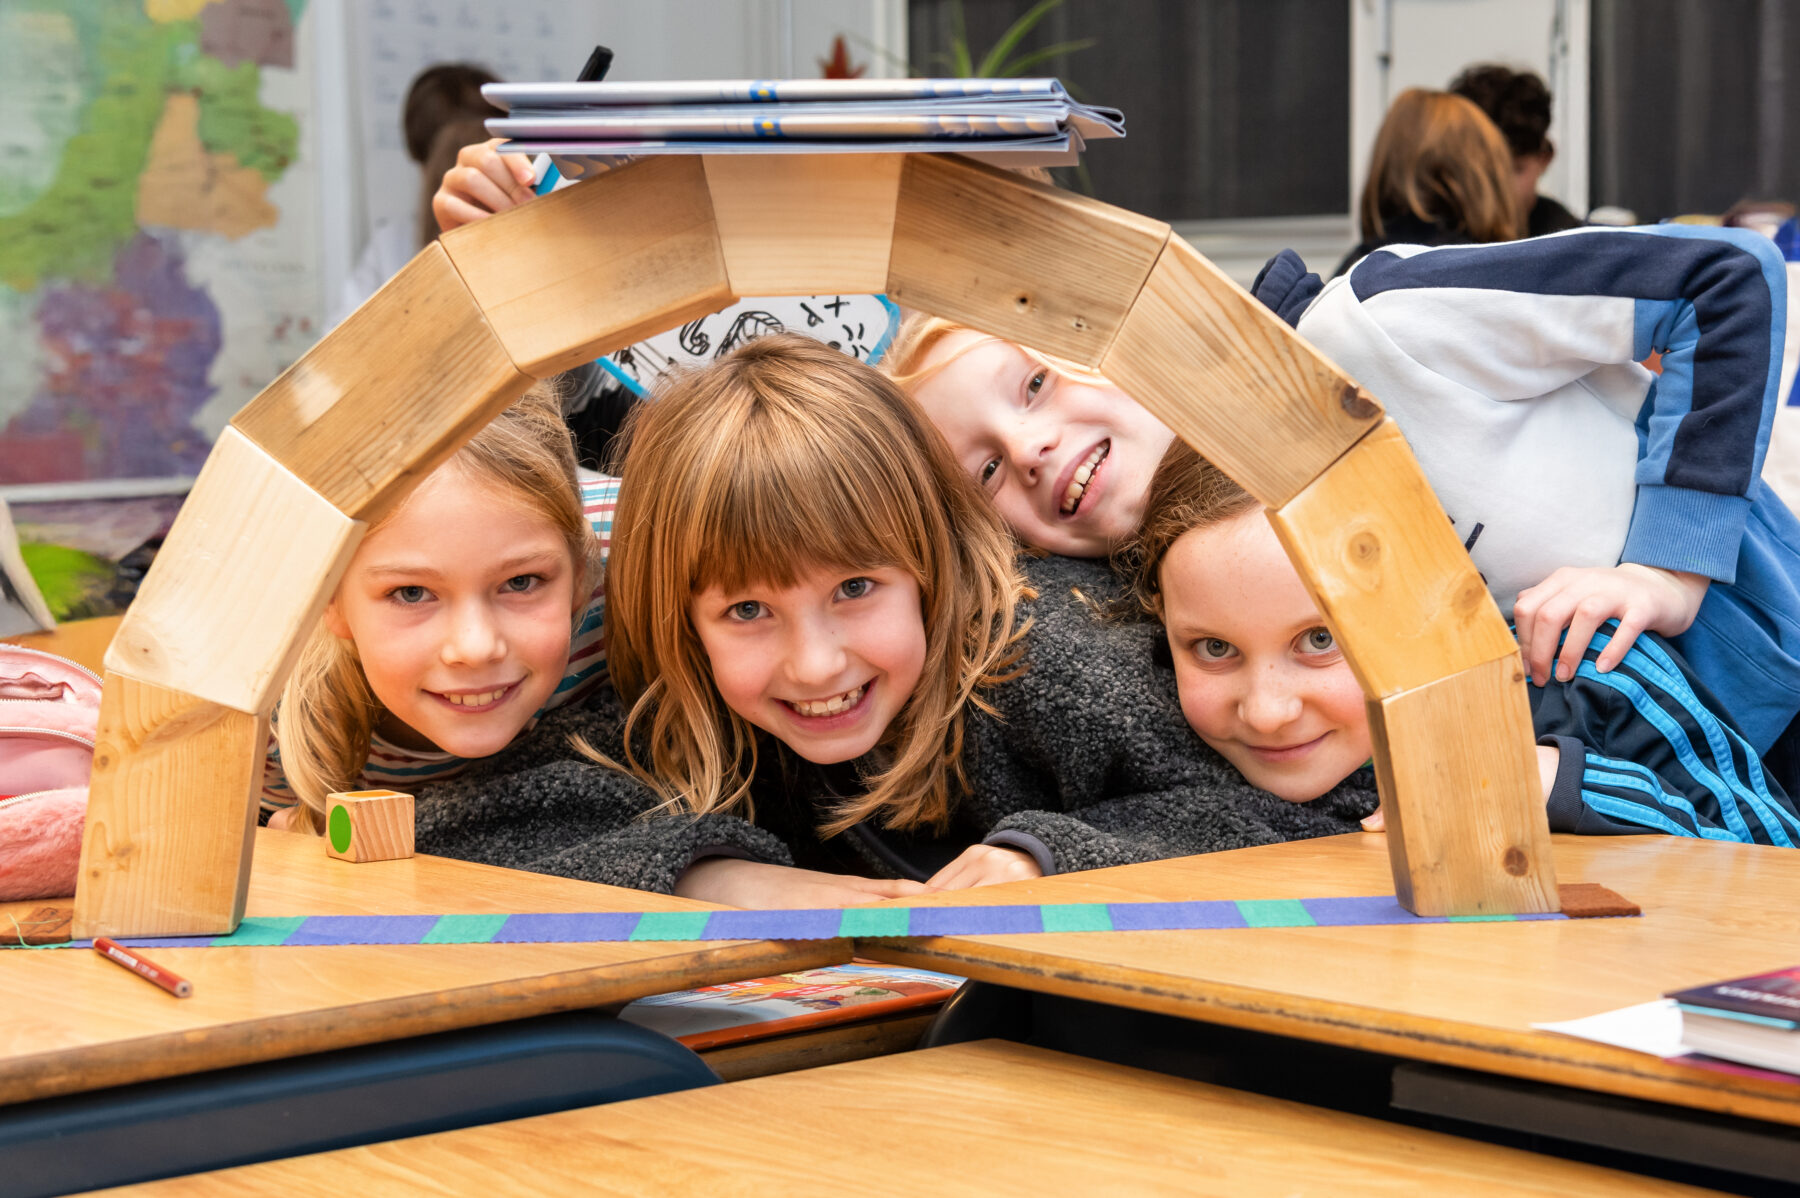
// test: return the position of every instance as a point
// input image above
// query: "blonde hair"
(328, 712)
(1186, 492)
(920, 334)
(1441, 159)
(783, 457)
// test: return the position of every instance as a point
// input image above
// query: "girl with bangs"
(833, 683)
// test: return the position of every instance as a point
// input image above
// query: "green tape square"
(1275, 913)
(465, 929)
(1076, 917)
(875, 921)
(671, 925)
(1479, 918)
(261, 929)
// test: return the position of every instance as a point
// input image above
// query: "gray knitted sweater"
(1090, 764)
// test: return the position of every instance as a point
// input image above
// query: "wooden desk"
(1454, 994)
(81, 641)
(76, 1022)
(987, 1118)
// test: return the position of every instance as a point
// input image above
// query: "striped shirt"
(1645, 748)
(395, 768)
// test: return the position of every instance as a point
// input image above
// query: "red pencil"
(178, 986)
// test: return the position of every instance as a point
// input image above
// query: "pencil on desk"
(180, 987)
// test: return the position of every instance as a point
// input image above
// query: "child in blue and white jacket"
(1585, 487)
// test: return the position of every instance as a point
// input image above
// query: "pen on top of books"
(141, 965)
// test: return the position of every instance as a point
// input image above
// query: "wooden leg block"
(368, 825)
(805, 224)
(1233, 380)
(1466, 828)
(171, 814)
(388, 394)
(596, 266)
(239, 583)
(1021, 260)
(1384, 565)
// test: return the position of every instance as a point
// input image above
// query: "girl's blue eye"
(987, 470)
(1212, 648)
(1037, 382)
(1317, 640)
(855, 588)
(409, 595)
(519, 584)
(749, 609)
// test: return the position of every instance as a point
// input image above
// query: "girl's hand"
(483, 182)
(737, 883)
(985, 865)
(1548, 758)
(1583, 598)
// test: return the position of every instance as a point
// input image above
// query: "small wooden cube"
(369, 825)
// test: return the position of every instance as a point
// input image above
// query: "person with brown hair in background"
(1440, 174)
(443, 112)
(1518, 103)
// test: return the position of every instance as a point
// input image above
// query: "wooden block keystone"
(368, 825)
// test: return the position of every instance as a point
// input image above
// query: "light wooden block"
(171, 814)
(368, 825)
(805, 224)
(1467, 832)
(587, 269)
(1383, 563)
(1021, 260)
(388, 394)
(239, 583)
(1233, 380)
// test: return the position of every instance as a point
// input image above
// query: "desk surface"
(76, 1022)
(1455, 994)
(985, 1118)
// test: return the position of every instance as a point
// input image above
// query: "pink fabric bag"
(48, 709)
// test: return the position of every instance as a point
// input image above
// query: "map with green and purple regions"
(157, 229)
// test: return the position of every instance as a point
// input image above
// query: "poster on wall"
(158, 233)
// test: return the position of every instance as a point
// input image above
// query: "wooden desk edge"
(179, 1053)
(1533, 1056)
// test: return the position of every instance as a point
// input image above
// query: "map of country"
(143, 154)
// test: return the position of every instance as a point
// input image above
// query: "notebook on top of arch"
(589, 126)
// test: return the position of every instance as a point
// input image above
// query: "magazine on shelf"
(734, 1012)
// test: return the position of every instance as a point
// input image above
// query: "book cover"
(733, 1012)
(1772, 995)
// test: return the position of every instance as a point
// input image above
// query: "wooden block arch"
(347, 431)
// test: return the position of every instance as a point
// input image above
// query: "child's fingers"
(1585, 621)
(1376, 822)
(1547, 624)
(453, 212)
(1631, 623)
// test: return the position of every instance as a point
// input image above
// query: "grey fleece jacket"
(1089, 765)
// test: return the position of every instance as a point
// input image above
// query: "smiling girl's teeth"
(1085, 471)
(481, 700)
(836, 705)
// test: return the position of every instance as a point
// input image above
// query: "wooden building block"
(1383, 563)
(1233, 380)
(805, 224)
(239, 583)
(368, 825)
(596, 266)
(1466, 829)
(171, 814)
(388, 394)
(1021, 260)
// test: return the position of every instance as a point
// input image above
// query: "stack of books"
(1753, 1020)
(1012, 122)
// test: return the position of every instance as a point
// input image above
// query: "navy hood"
(1286, 286)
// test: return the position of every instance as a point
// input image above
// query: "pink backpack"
(48, 709)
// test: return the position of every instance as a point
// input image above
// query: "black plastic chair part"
(336, 1099)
